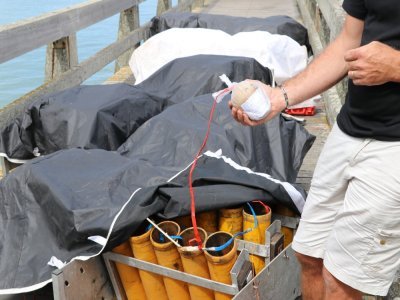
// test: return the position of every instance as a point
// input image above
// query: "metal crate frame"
(241, 273)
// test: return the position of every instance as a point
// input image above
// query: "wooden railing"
(324, 20)
(58, 31)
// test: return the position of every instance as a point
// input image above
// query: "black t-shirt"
(374, 111)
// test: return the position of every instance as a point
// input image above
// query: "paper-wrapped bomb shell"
(241, 92)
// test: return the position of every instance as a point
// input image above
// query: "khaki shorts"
(351, 218)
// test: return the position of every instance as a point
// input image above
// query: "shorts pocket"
(383, 258)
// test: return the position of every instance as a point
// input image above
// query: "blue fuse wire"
(225, 245)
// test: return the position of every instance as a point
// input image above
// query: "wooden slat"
(183, 5)
(77, 74)
(331, 96)
(333, 14)
(24, 36)
(61, 56)
(163, 6)
(128, 22)
(124, 75)
(318, 126)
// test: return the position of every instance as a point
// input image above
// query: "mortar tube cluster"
(218, 248)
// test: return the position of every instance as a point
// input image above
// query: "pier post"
(324, 20)
(198, 3)
(163, 5)
(4, 166)
(128, 21)
(61, 55)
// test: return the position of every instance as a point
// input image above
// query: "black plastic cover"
(274, 24)
(52, 204)
(104, 116)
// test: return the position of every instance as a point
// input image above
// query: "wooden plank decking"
(253, 8)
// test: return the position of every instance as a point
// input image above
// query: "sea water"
(25, 73)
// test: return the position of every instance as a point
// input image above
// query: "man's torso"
(374, 111)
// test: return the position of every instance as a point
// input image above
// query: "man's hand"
(373, 64)
(277, 105)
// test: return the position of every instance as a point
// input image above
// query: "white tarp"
(278, 52)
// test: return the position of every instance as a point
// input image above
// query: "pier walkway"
(253, 8)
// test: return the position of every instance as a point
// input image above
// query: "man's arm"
(324, 72)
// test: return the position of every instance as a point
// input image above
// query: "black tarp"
(274, 24)
(104, 116)
(52, 204)
(99, 117)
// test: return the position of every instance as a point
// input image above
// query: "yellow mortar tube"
(129, 276)
(208, 220)
(257, 235)
(220, 263)
(231, 220)
(286, 231)
(168, 256)
(195, 263)
(153, 284)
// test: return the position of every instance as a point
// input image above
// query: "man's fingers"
(230, 104)
(359, 82)
(352, 55)
(354, 66)
(234, 113)
(352, 75)
(240, 115)
(255, 82)
(355, 69)
(355, 75)
(248, 121)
